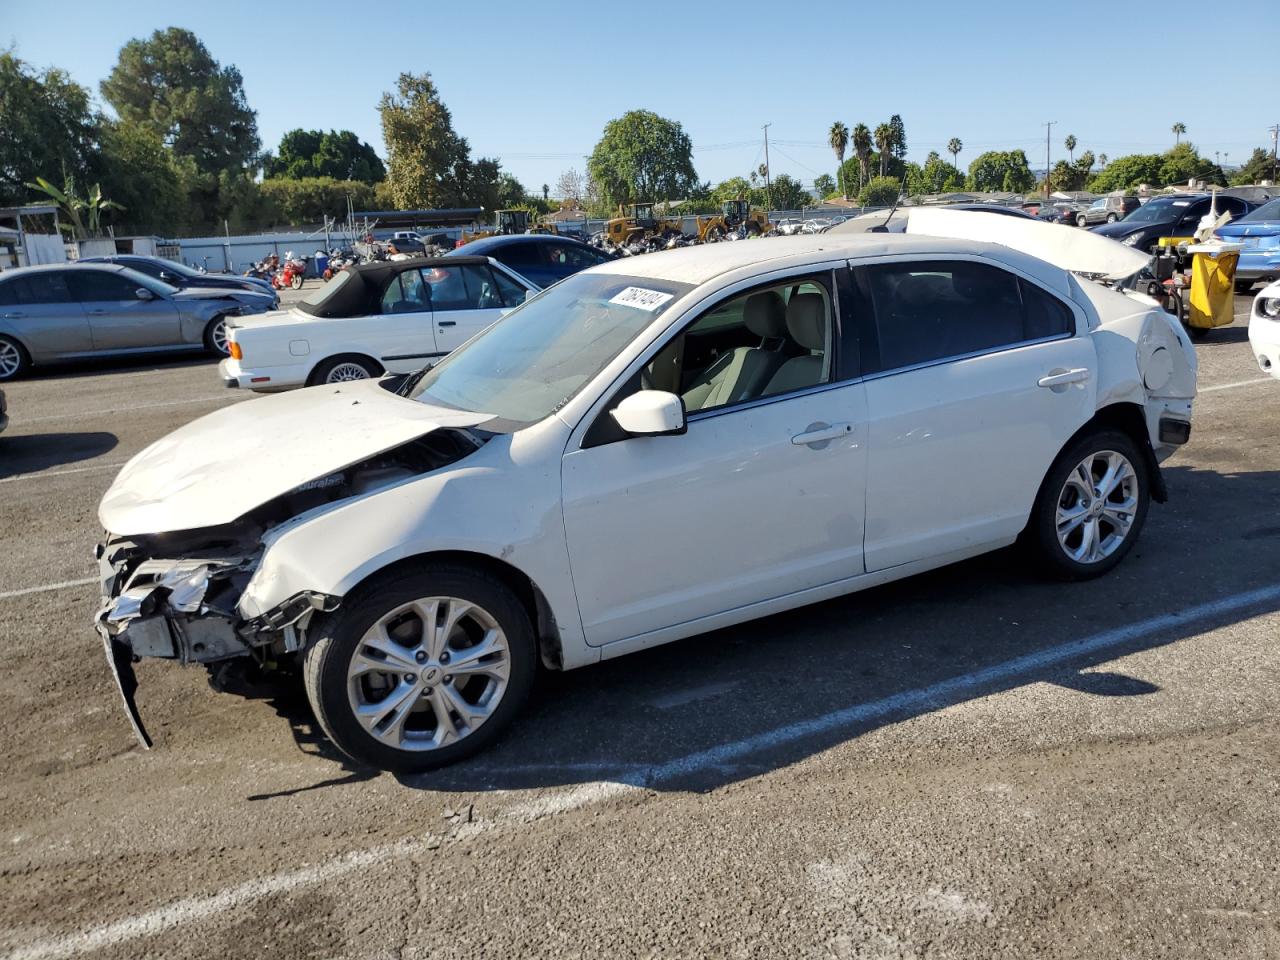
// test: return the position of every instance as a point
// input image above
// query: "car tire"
(1082, 221)
(345, 689)
(1112, 218)
(1071, 548)
(345, 368)
(14, 359)
(215, 337)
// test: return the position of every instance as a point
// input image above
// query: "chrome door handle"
(15, 315)
(1059, 378)
(821, 433)
(97, 313)
(447, 323)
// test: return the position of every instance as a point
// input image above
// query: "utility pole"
(768, 182)
(1275, 137)
(1048, 172)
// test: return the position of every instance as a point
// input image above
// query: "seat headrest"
(765, 315)
(807, 320)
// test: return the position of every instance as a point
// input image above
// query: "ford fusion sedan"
(371, 319)
(1264, 329)
(58, 313)
(648, 450)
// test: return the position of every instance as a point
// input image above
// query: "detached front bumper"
(186, 610)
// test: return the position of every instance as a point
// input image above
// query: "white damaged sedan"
(1264, 329)
(648, 450)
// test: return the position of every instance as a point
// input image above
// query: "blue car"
(1259, 231)
(540, 257)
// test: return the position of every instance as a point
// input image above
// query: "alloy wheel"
(344, 372)
(10, 359)
(428, 673)
(1097, 507)
(218, 336)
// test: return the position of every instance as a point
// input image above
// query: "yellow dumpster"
(1213, 273)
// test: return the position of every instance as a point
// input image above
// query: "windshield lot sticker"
(641, 299)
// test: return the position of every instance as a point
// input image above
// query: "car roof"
(377, 267)
(700, 264)
(68, 265)
(484, 243)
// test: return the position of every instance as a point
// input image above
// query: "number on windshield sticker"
(641, 299)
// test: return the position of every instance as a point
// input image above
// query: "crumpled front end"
(186, 610)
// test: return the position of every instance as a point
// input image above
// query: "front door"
(120, 319)
(980, 381)
(761, 497)
(405, 335)
(464, 300)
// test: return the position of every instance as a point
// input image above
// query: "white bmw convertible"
(648, 450)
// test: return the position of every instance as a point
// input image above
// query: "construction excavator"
(637, 221)
(734, 215)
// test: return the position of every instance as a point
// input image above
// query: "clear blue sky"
(534, 84)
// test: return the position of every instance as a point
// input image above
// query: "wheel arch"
(312, 376)
(546, 631)
(1130, 419)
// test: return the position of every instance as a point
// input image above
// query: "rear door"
(405, 335)
(464, 300)
(977, 378)
(120, 319)
(37, 308)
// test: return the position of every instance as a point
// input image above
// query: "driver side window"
(767, 341)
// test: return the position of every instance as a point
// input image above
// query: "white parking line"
(1238, 383)
(62, 473)
(936, 695)
(81, 414)
(45, 588)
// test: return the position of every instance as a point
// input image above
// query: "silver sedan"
(67, 312)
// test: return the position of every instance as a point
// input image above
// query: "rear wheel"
(1082, 221)
(1112, 218)
(344, 368)
(1091, 506)
(1244, 287)
(14, 359)
(424, 668)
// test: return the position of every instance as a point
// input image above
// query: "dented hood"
(1067, 248)
(221, 466)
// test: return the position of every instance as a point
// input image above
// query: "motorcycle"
(290, 275)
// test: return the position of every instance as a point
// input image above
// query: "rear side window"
(519, 255)
(44, 286)
(932, 311)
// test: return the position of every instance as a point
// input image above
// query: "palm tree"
(838, 138)
(1102, 160)
(546, 192)
(1178, 129)
(884, 143)
(954, 146)
(861, 138)
(1070, 144)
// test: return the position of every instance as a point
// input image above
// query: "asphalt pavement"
(973, 763)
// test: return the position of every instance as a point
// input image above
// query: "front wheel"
(423, 669)
(215, 337)
(1091, 506)
(296, 281)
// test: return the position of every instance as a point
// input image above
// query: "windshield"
(529, 363)
(1268, 211)
(1156, 210)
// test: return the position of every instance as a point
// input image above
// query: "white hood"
(1069, 248)
(221, 466)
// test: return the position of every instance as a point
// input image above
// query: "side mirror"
(529, 295)
(166, 276)
(142, 293)
(651, 413)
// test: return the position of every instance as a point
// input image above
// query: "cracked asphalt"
(973, 763)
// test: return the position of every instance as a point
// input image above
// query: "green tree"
(429, 164)
(897, 137)
(1001, 170)
(1070, 144)
(171, 84)
(140, 172)
(309, 200)
(788, 193)
(82, 213)
(1178, 129)
(880, 192)
(338, 154)
(825, 187)
(1129, 171)
(1255, 169)
(643, 157)
(954, 146)
(1183, 162)
(838, 139)
(936, 176)
(1102, 159)
(884, 144)
(48, 125)
(862, 144)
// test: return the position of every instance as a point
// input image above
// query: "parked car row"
(62, 312)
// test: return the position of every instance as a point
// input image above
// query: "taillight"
(236, 353)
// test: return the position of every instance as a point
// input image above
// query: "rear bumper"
(235, 375)
(1259, 265)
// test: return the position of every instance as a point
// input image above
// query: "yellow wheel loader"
(734, 215)
(637, 221)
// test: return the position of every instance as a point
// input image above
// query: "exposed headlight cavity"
(1270, 307)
